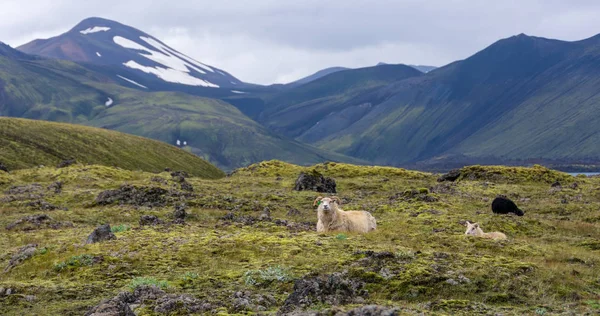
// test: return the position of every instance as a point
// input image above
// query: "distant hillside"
(327, 105)
(421, 68)
(29, 143)
(521, 98)
(58, 90)
(316, 75)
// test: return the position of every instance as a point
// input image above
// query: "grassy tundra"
(248, 239)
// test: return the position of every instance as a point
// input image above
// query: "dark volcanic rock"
(163, 303)
(22, 254)
(179, 214)
(372, 310)
(450, 176)
(293, 212)
(186, 186)
(556, 185)
(503, 205)
(150, 220)
(3, 167)
(246, 301)
(180, 305)
(112, 307)
(102, 233)
(180, 174)
(38, 221)
(42, 205)
(335, 289)
(66, 163)
(315, 182)
(147, 293)
(33, 188)
(265, 215)
(56, 187)
(129, 194)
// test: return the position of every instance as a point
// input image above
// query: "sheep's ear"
(317, 200)
(467, 223)
(336, 199)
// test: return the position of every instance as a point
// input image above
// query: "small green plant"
(74, 262)
(405, 254)
(540, 311)
(42, 251)
(189, 276)
(341, 237)
(593, 304)
(147, 281)
(266, 276)
(119, 228)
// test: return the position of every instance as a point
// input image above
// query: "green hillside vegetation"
(28, 143)
(225, 260)
(217, 131)
(333, 100)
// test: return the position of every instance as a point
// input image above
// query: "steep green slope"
(324, 106)
(28, 143)
(67, 92)
(521, 98)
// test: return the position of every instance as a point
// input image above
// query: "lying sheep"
(502, 205)
(475, 230)
(333, 218)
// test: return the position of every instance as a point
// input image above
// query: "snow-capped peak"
(174, 67)
(94, 29)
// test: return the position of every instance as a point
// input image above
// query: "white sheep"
(333, 218)
(475, 230)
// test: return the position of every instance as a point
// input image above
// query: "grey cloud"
(268, 41)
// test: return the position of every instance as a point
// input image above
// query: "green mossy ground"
(548, 265)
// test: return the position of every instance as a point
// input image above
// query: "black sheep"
(502, 205)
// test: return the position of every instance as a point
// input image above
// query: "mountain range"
(521, 99)
(64, 91)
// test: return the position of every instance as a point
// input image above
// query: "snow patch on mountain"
(94, 29)
(176, 68)
(171, 75)
(190, 62)
(132, 82)
(98, 54)
(235, 91)
(108, 102)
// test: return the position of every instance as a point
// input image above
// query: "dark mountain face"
(522, 97)
(319, 74)
(9, 52)
(421, 68)
(137, 59)
(315, 110)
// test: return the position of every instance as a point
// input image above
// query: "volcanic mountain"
(137, 59)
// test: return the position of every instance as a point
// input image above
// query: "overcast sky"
(269, 41)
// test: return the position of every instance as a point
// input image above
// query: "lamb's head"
(327, 204)
(472, 229)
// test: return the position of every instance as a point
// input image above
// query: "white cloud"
(267, 41)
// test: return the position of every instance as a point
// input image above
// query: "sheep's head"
(327, 204)
(472, 229)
